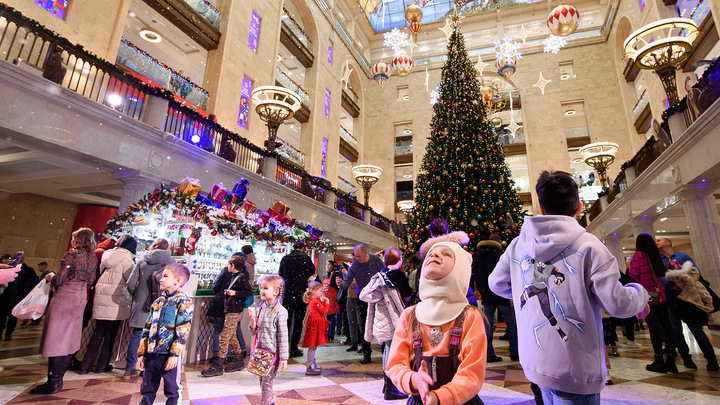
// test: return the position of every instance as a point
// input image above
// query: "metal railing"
(22, 43)
(299, 181)
(380, 222)
(295, 28)
(289, 152)
(347, 137)
(351, 95)
(289, 84)
(640, 104)
(206, 10)
(349, 206)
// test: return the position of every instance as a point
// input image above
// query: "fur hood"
(489, 243)
(688, 279)
(459, 237)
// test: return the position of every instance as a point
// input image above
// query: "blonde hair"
(277, 282)
(83, 238)
(310, 290)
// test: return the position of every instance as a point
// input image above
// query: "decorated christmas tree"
(463, 178)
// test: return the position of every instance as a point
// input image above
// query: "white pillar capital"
(135, 185)
(697, 191)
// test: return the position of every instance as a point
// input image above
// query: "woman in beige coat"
(112, 303)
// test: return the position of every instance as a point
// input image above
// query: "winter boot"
(236, 364)
(658, 365)
(312, 369)
(56, 371)
(670, 364)
(689, 363)
(391, 392)
(216, 368)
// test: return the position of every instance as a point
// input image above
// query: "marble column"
(643, 224)
(135, 185)
(704, 227)
(613, 244)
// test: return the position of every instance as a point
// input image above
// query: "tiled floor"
(346, 381)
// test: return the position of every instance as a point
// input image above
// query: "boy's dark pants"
(154, 370)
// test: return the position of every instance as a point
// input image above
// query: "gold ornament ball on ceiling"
(413, 13)
(402, 65)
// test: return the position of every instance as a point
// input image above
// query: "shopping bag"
(34, 305)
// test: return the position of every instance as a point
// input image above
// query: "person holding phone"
(14, 293)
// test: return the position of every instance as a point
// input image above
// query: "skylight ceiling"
(385, 15)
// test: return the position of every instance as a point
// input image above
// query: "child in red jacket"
(316, 326)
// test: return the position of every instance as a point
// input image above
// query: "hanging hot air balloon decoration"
(506, 67)
(381, 72)
(402, 65)
(413, 15)
(563, 20)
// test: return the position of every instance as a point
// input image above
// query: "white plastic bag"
(34, 305)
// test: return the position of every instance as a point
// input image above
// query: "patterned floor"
(346, 381)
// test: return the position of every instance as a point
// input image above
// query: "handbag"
(249, 301)
(33, 306)
(261, 360)
(654, 295)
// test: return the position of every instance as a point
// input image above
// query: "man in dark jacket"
(485, 259)
(295, 269)
(15, 292)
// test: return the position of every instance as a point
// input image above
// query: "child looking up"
(439, 347)
(163, 338)
(270, 325)
(316, 326)
(235, 296)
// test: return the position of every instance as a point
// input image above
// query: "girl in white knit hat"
(438, 351)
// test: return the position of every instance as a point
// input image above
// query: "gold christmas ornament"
(413, 13)
(402, 65)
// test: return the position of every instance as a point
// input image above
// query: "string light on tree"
(554, 43)
(395, 39)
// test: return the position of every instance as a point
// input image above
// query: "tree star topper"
(455, 17)
(395, 39)
(541, 83)
(480, 65)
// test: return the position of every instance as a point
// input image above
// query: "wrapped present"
(230, 207)
(290, 220)
(249, 207)
(281, 208)
(217, 193)
(203, 199)
(190, 187)
(277, 216)
(264, 216)
(316, 232)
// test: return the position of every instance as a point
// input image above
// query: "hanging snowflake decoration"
(507, 50)
(553, 43)
(396, 39)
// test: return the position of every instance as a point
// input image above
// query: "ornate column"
(704, 226)
(135, 185)
(643, 224)
(612, 242)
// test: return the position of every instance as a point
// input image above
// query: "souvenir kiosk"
(204, 231)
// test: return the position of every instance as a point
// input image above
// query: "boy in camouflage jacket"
(164, 337)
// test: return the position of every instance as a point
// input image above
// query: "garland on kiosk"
(218, 221)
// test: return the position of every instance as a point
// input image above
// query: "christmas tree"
(463, 178)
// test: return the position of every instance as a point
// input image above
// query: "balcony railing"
(289, 84)
(29, 45)
(347, 137)
(346, 187)
(286, 150)
(379, 222)
(141, 62)
(351, 94)
(206, 10)
(296, 29)
(640, 104)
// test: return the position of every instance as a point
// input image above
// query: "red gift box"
(217, 193)
(280, 208)
(249, 207)
(290, 220)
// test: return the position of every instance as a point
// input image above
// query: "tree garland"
(223, 224)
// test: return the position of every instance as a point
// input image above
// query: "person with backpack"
(139, 286)
(217, 306)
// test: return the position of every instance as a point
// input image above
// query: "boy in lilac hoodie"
(560, 278)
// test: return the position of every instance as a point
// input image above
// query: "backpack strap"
(416, 337)
(456, 333)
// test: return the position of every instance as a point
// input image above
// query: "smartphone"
(16, 260)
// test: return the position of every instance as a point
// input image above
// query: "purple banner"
(54, 7)
(323, 163)
(327, 103)
(254, 31)
(244, 110)
(330, 50)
